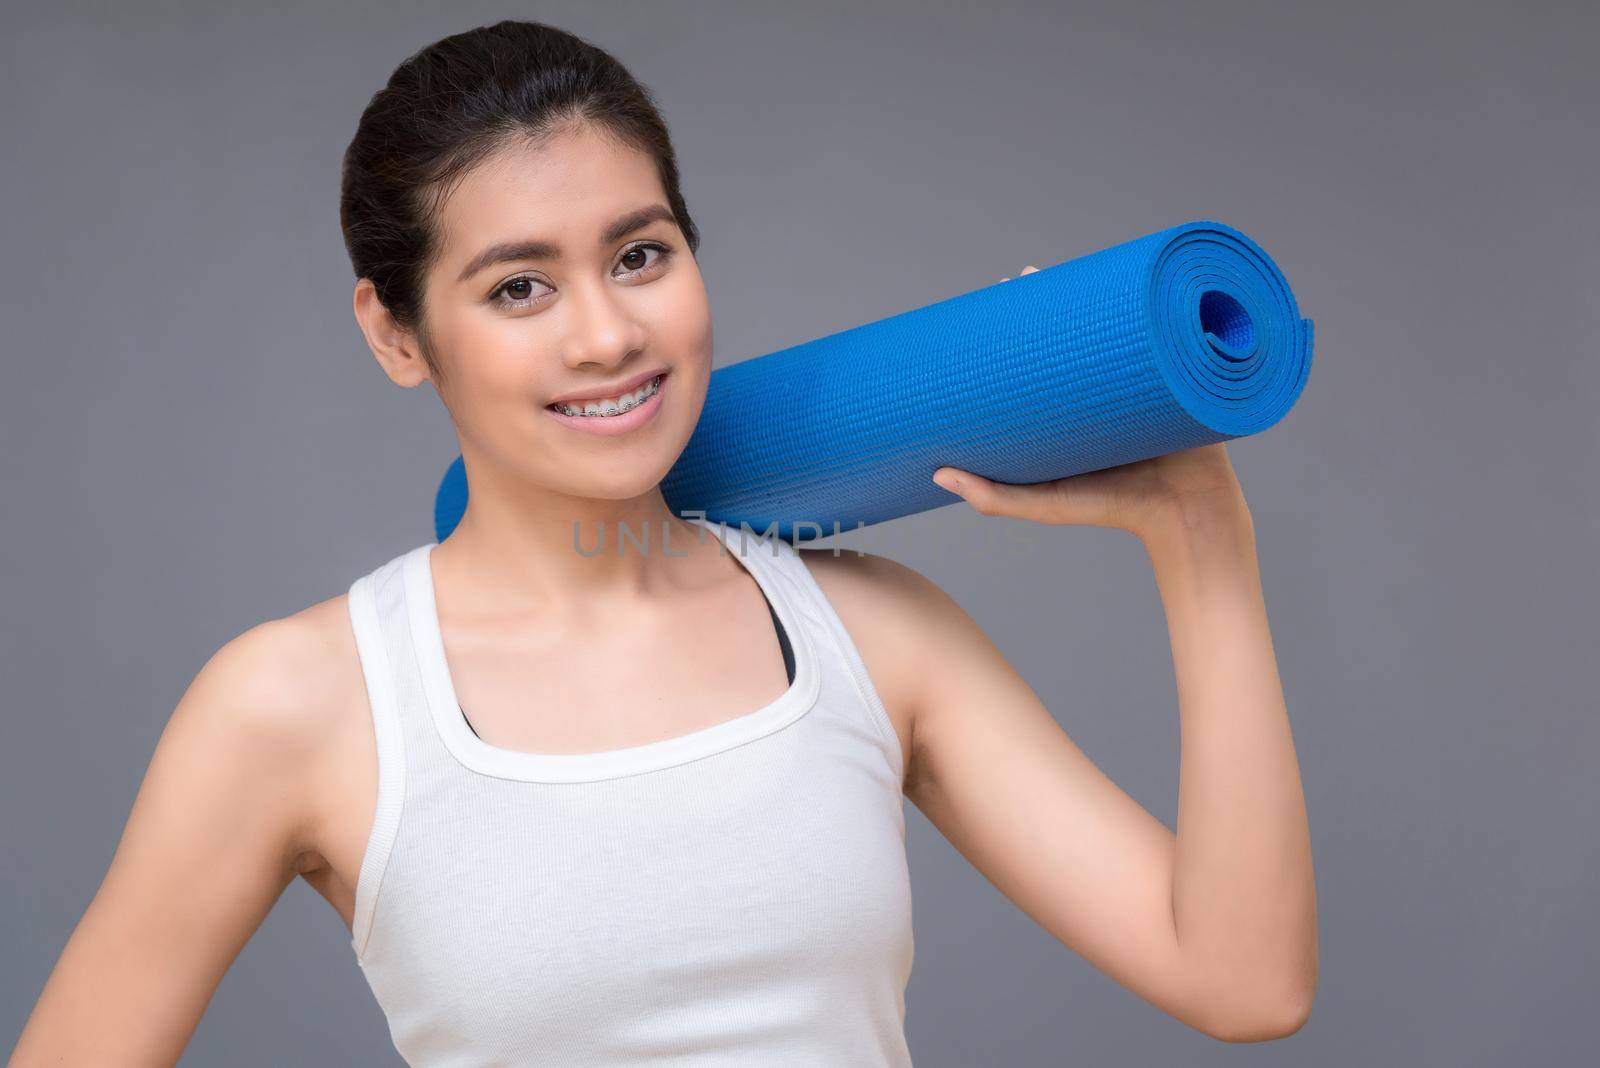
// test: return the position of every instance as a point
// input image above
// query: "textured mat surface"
(1181, 338)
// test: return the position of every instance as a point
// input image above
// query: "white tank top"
(734, 896)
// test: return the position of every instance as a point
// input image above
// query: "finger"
(995, 498)
(1030, 270)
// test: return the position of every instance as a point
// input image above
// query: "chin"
(616, 486)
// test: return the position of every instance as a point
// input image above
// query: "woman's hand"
(1136, 497)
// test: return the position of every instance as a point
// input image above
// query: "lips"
(612, 426)
(598, 393)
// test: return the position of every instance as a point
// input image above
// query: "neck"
(515, 547)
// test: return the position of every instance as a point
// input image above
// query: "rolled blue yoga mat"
(1182, 338)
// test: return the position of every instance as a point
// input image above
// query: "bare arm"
(212, 840)
(1243, 890)
(1215, 925)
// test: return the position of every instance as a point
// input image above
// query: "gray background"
(195, 439)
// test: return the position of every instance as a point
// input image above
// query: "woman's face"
(592, 309)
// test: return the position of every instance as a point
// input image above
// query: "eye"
(515, 292)
(636, 255)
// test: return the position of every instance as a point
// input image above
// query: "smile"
(610, 407)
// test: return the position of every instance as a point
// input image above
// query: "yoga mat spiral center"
(1227, 326)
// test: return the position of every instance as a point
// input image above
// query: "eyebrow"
(544, 250)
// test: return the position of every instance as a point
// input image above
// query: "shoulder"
(864, 577)
(275, 679)
(882, 594)
(899, 619)
(278, 705)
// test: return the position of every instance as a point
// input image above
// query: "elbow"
(1269, 1016)
(1264, 1026)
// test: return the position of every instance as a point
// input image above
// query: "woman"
(499, 758)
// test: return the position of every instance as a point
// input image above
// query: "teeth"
(609, 406)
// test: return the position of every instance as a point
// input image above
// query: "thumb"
(993, 498)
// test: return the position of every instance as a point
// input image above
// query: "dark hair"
(452, 104)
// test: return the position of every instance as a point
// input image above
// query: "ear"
(396, 349)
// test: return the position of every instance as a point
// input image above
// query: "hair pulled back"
(454, 103)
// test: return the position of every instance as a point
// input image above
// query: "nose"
(601, 332)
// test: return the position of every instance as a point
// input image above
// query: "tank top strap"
(377, 614)
(854, 694)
